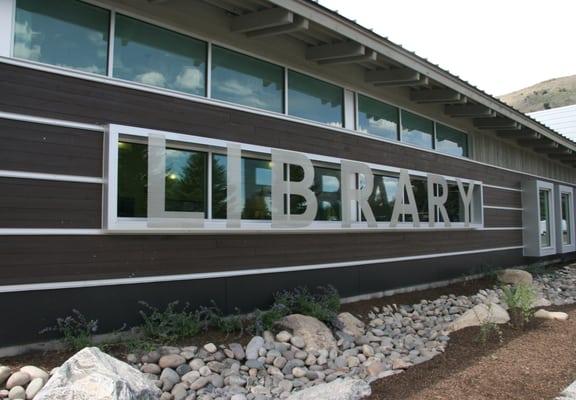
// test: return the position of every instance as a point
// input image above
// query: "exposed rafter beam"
(398, 75)
(370, 55)
(444, 95)
(536, 141)
(551, 150)
(269, 18)
(468, 111)
(335, 51)
(519, 134)
(299, 24)
(498, 123)
(422, 82)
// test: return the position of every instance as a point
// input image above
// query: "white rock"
(339, 389)
(34, 387)
(556, 315)
(35, 372)
(93, 375)
(210, 348)
(350, 325)
(253, 347)
(4, 374)
(399, 363)
(18, 379)
(515, 276)
(316, 334)
(480, 314)
(17, 393)
(283, 336)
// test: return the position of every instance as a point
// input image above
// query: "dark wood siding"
(502, 198)
(31, 203)
(49, 149)
(497, 218)
(61, 258)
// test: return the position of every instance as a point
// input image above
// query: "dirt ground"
(533, 364)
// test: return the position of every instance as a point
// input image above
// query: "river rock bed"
(277, 366)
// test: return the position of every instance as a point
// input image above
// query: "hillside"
(552, 93)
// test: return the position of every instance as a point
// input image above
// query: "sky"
(497, 45)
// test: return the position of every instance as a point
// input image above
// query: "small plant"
(519, 299)
(214, 317)
(490, 331)
(76, 330)
(264, 320)
(323, 305)
(170, 324)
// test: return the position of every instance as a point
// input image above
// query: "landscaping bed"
(532, 364)
(412, 345)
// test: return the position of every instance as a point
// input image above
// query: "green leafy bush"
(489, 331)
(324, 304)
(263, 320)
(519, 299)
(214, 317)
(75, 330)
(170, 324)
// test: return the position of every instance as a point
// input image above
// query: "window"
(383, 197)
(451, 141)
(186, 180)
(420, 189)
(66, 33)
(417, 130)
(246, 80)
(377, 118)
(326, 187)
(566, 222)
(155, 56)
(544, 227)
(315, 100)
(256, 188)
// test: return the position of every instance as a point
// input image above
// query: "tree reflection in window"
(186, 180)
(256, 188)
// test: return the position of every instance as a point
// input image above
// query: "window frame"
(560, 191)
(114, 224)
(466, 135)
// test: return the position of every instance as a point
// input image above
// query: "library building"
(223, 150)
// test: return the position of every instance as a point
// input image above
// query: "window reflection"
(417, 130)
(383, 197)
(67, 33)
(186, 180)
(246, 80)
(256, 188)
(377, 118)
(326, 187)
(544, 218)
(451, 141)
(314, 99)
(566, 219)
(155, 56)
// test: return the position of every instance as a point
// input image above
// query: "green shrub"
(75, 330)
(324, 304)
(214, 317)
(264, 320)
(170, 324)
(489, 331)
(519, 299)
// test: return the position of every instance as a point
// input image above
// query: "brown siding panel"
(31, 203)
(502, 198)
(49, 149)
(56, 258)
(495, 218)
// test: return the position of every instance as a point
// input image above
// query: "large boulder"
(515, 276)
(480, 314)
(91, 374)
(315, 334)
(350, 325)
(340, 389)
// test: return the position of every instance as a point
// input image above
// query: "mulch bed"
(532, 364)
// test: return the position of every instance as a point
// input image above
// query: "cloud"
(153, 78)
(93, 69)
(23, 47)
(239, 92)
(22, 50)
(190, 79)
